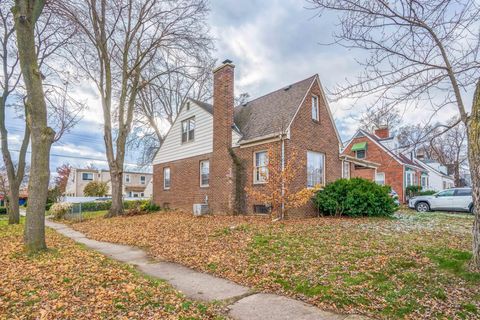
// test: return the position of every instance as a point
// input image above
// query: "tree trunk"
(26, 14)
(13, 210)
(456, 174)
(117, 194)
(473, 129)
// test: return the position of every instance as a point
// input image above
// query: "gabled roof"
(427, 166)
(269, 114)
(400, 158)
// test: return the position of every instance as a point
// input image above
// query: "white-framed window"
(424, 181)
(315, 169)
(204, 173)
(260, 170)
(346, 170)
(188, 130)
(143, 179)
(380, 178)
(142, 194)
(166, 178)
(127, 178)
(361, 154)
(410, 178)
(87, 176)
(315, 111)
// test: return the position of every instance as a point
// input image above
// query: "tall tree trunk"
(26, 14)
(456, 174)
(117, 194)
(473, 129)
(13, 210)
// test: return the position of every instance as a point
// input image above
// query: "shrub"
(139, 207)
(412, 191)
(96, 205)
(355, 197)
(60, 209)
(3, 210)
(426, 193)
(95, 189)
(145, 205)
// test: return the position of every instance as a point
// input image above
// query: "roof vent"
(287, 88)
(227, 61)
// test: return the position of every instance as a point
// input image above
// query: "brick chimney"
(221, 171)
(223, 100)
(382, 132)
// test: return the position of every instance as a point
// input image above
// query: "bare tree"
(422, 53)
(119, 41)
(375, 117)
(160, 101)
(26, 14)
(450, 149)
(63, 111)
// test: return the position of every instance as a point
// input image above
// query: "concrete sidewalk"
(243, 303)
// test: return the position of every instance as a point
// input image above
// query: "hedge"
(3, 210)
(105, 205)
(355, 197)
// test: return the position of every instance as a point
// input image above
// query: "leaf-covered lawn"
(70, 282)
(412, 266)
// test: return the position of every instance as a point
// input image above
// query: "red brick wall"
(305, 134)
(362, 172)
(392, 169)
(185, 187)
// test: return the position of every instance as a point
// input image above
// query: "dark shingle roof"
(272, 112)
(268, 114)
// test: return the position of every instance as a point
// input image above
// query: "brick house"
(212, 152)
(388, 166)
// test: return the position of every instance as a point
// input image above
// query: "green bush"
(426, 193)
(355, 197)
(3, 210)
(413, 191)
(145, 205)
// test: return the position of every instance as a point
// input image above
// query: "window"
(360, 154)
(166, 178)
(463, 193)
(142, 179)
(424, 181)
(346, 170)
(127, 178)
(315, 115)
(204, 173)
(87, 176)
(380, 178)
(260, 173)
(188, 130)
(410, 178)
(142, 194)
(315, 169)
(446, 193)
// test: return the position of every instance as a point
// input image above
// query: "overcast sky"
(272, 43)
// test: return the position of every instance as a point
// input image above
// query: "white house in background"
(135, 184)
(437, 178)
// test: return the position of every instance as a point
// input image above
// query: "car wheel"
(471, 209)
(422, 207)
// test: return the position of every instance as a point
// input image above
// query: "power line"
(82, 158)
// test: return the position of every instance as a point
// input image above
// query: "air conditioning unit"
(200, 209)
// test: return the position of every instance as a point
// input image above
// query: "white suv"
(455, 199)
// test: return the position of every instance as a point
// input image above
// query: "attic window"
(188, 130)
(315, 112)
(188, 106)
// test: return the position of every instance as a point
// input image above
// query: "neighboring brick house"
(212, 152)
(393, 168)
(135, 184)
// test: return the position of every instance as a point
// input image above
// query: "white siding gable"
(173, 148)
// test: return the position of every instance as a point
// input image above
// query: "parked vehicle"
(455, 199)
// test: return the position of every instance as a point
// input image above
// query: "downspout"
(283, 168)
